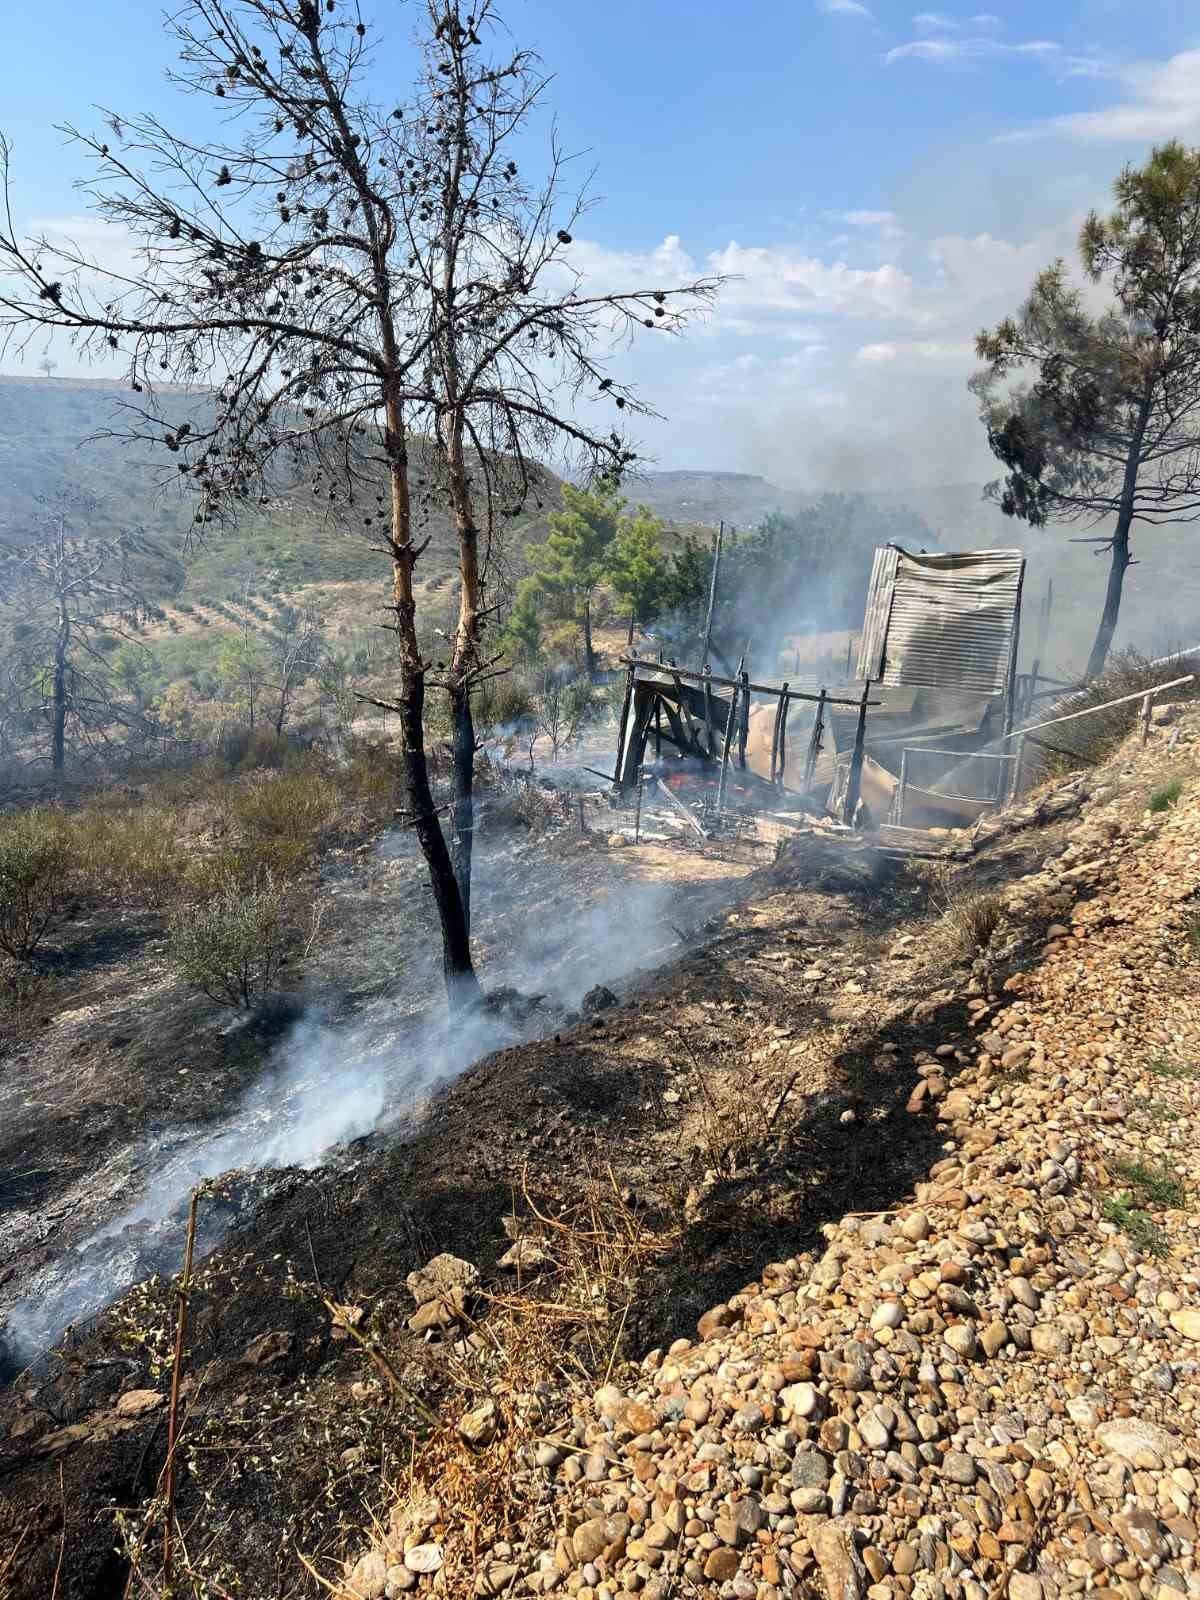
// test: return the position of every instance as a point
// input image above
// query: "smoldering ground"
(542, 930)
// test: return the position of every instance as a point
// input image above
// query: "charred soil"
(761, 1082)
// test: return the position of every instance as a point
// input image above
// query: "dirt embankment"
(812, 1057)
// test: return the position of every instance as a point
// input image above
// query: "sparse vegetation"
(969, 917)
(1153, 1185)
(230, 945)
(36, 865)
(1088, 740)
(1120, 1210)
(1164, 1067)
(1165, 796)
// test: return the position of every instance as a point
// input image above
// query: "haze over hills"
(48, 447)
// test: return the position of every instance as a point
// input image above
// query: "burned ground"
(741, 1096)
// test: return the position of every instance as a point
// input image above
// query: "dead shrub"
(37, 868)
(969, 916)
(25, 996)
(231, 944)
(1089, 740)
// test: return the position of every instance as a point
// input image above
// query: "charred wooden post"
(854, 778)
(1034, 675)
(1010, 706)
(744, 718)
(710, 737)
(657, 728)
(814, 745)
(688, 719)
(776, 769)
(783, 722)
(635, 747)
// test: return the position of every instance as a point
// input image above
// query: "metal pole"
(854, 780)
(849, 654)
(902, 792)
(712, 594)
(744, 720)
(1019, 758)
(733, 700)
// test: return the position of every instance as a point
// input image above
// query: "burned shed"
(939, 641)
(914, 741)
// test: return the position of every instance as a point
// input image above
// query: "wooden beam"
(736, 683)
(624, 724)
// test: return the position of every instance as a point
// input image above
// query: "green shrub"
(36, 870)
(1165, 797)
(280, 819)
(231, 944)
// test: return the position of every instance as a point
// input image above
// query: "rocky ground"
(989, 1387)
(965, 1361)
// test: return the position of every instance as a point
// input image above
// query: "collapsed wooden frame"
(692, 703)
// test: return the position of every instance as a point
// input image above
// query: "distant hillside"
(48, 448)
(739, 499)
(292, 548)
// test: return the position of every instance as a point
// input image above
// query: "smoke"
(327, 1084)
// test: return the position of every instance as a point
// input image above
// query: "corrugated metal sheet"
(879, 606)
(946, 621)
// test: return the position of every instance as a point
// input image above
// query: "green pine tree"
(574, 558)
(637, 567)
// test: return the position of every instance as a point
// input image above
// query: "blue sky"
(880, 181)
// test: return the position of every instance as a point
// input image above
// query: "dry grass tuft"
(532, 1350)
(969, 916)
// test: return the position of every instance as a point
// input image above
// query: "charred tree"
(1096, 418)
(357, 281)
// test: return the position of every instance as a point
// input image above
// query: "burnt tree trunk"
(1120, 561)
(58, 702)
(1112, 598)
(589, 654)
(462, 986)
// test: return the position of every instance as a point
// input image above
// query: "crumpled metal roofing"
(946, 621)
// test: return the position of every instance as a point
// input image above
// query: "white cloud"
(1162, 101)
(949, 352)
(775, 279)
(844, 8)
(966, 51)
(940, 22)
(869, 219)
